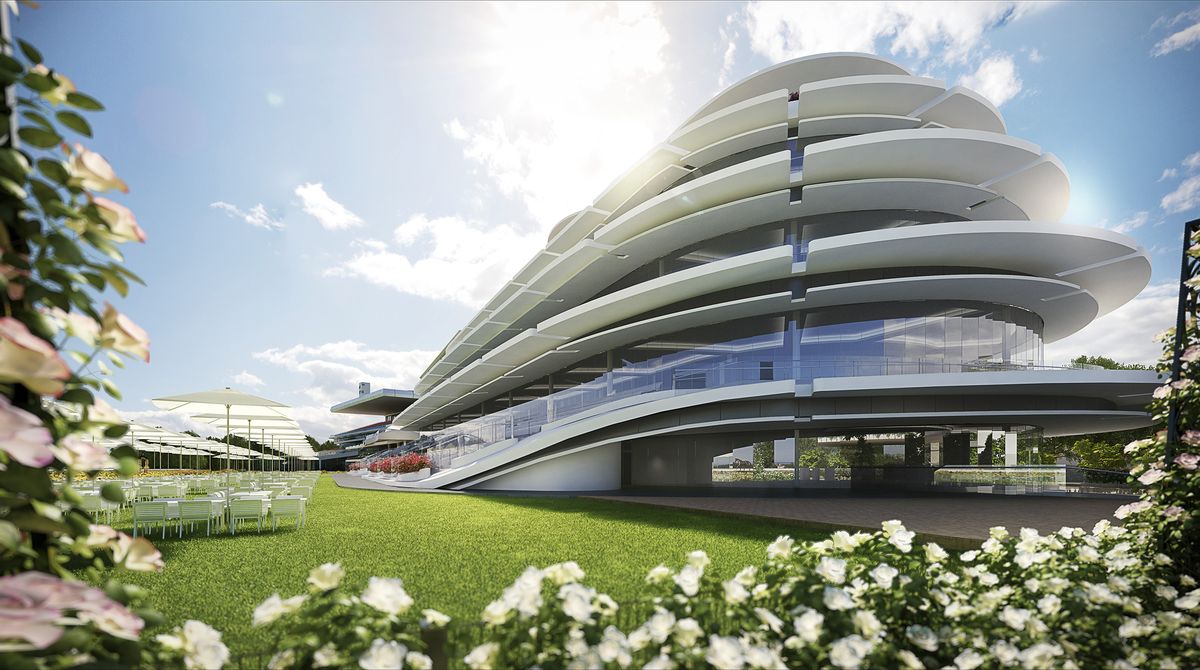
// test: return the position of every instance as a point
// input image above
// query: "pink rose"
(23, 437)
(1187, 461)
(34, 606)
(93, 172)
(28, 359)
(1151, 476)
(79, 454)
(122, 225)
(1191, 438)
(1173, 511)
(119, 333)
(137, 554)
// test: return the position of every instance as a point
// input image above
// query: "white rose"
(482, 657)
(326, 657)
(909, 660)
(867, 623)
(326, 576)
(1049, 604)
(1015, 617)
(968, 660)
(922, 636)
(832, 569)
(274, 607)
(781, 547)
(768, 619)
(849, 652)
(698, 559)
(434, 618)
(660, 662)
(564, 573)
(808, 625)
(687, 631)
(688, 579)
(902, 540)
(79, 454)
(387, 595)
(383, 656)
(735, 593)
(892, 526)
(658, 574)
(934, 553)
(837, 599)
(660, 625)
(883, 574)
(724, 653)
(418, 661)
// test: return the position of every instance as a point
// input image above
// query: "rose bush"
(58, 254)
(377, 628)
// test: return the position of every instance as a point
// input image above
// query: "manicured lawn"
(455, 553)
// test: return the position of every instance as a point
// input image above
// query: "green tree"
(764, 456)
(1108, 363)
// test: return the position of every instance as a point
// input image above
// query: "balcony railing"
(690, 374)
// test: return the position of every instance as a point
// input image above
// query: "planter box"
(413, 476)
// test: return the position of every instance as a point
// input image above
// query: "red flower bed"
(400, 464)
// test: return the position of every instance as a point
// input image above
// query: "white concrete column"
(1010, 448)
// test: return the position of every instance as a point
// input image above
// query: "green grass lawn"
(455, 553)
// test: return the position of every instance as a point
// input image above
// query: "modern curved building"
(835, 271)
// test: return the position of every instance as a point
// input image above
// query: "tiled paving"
(966, 517)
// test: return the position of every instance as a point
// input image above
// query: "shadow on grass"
(762, 530)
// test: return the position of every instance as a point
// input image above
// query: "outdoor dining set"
(215, 502)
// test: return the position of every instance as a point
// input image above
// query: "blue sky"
(331, 190)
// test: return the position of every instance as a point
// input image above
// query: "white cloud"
(1036, 56)
(275, 98)
(995, 79)
(1132, 223)
(331, 214)
(248, 379)
(334, 369)
(331, 373)
(1168, 173)
(1184, 198)
(1127, 333)
(257, 216)
(728, 35)
(1192, 161)
(446, 258)
(783, 30)
(580, 92)
(1181, 39)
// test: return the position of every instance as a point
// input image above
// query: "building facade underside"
(833, 270)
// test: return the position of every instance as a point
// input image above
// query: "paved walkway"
(959, 521)
(965, 517)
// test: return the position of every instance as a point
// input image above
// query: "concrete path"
(965, 517)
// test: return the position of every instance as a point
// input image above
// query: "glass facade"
(897, 338)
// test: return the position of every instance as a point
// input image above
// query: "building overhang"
(382, 402)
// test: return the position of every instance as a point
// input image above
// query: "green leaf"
(75, 122)
(27, 519)
(84, 102)
(54, 170)
(117, 282)
(11, 65)
(38, 119)
(10, 537)
(30, 52)
(13, 188)
(113, 493)
(39, 137)
(128, 467)
(39, 82)
(79, 356)
(14, 163)
(111, 389)
(117, 430)
(78, 396)
(97, 281)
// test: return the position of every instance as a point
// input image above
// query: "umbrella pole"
(227, 434)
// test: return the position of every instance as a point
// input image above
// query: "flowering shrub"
(1068, 599)
(397, 464)
(326, 628)
(59, 251)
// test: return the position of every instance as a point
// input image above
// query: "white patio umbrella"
(227, 401)
(267, 431)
